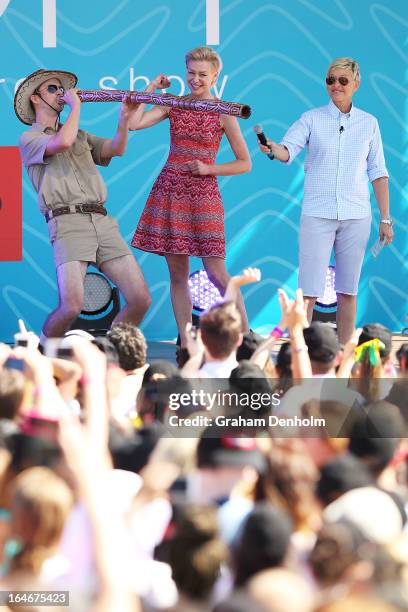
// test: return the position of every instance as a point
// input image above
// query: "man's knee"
(72, 307)
(141, 300)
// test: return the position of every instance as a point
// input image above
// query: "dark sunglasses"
(53, 89)
(330, 80)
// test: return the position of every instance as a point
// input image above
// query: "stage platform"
(164, 349)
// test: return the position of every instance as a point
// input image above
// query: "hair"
(348, 64)
(160, 380)
(195, 552)
(107, 348)
(11, 393)
(130, 344)
(41, 502)
(204, 54)
(288, 482)
(402, 356)
(367, 375)
(220, 329)
(338, 546)
(284, 369)
(263, 542)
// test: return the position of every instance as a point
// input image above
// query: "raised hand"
(297, 312)
(159, 82)
(248, 276)
(71, 98)
(26, 338)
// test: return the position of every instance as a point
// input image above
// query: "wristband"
(299, 349)
(276, 333)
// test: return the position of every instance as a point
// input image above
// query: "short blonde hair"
(204, 54)
(348, 64)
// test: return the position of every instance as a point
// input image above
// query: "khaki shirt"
(70, 177)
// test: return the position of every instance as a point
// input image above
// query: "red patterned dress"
(184, 213)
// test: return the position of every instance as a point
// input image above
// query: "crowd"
(102, 497)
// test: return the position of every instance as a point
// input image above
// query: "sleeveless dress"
(184, 213)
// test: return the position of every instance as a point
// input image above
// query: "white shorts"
(317, 238)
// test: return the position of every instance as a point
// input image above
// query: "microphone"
(262, 139)
(341, 129)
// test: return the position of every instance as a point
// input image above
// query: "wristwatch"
(387, 221)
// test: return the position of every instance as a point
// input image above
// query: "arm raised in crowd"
(297, 321)
(248, 276)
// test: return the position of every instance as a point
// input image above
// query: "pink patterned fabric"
(184, 213)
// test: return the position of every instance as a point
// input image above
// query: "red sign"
(10, 204)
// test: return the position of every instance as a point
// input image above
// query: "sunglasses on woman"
(54, 88)
(330, 80)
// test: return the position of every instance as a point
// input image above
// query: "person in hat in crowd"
(398, 394)
(373, 373)
(61, 162)
(325, 355)
(263, 542)
(374, 437)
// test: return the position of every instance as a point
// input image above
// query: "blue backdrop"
(275, 56)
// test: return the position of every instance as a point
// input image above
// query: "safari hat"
(22, 106)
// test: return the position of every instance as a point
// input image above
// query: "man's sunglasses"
(330, 80)
(53, 89)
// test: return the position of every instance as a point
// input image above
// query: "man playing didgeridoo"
(61, 162)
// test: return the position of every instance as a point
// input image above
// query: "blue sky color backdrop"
(275, 56)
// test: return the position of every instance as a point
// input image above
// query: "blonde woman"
(184, 213)
(344, 152)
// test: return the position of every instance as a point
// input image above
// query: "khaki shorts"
(86, 237)
(317, 238)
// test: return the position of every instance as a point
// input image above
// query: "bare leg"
(70, 279)
(180, 294)
(126, 274)
(218, 275)
(346, 316)
(311, 301)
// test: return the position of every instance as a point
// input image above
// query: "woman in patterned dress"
(184, 213)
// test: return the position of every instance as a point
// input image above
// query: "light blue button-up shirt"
(339, 162)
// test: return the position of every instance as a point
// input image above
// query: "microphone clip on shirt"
(341, 129)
